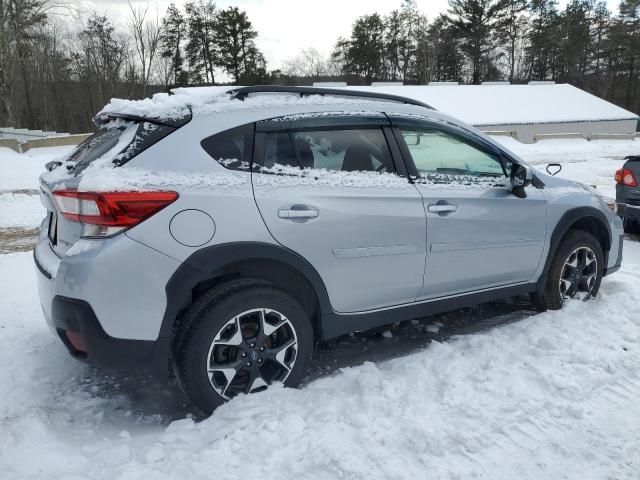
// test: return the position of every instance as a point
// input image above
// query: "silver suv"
(217, 235)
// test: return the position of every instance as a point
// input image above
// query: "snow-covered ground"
(592, 162)
(492, 392)
(20, 171)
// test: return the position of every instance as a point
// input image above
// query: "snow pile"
(551, 396)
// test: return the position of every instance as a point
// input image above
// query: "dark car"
(628, 194)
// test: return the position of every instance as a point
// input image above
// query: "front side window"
(439, 154)
(347, 150)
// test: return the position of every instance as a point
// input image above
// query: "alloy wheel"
(579, 274)
(251, 351)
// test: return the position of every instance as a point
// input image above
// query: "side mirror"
(521, 177)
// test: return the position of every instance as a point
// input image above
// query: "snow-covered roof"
(482, 105)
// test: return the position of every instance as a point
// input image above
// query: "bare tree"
(146, 36)
(308, 63)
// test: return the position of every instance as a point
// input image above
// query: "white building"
(526, 112)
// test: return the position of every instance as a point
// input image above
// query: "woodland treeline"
(58, 66)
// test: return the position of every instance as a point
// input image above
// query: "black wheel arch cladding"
(211, 262)
(577, 217)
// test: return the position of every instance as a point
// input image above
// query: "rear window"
(232, 148)
(117, 142)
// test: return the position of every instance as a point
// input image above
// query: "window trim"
(334, 121)
(414, 173)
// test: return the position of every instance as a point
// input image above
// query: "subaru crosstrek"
(217, 235)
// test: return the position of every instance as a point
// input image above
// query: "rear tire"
(576, 271)
(239, 338)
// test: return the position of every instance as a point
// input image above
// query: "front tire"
(576, 270)
(240, 338)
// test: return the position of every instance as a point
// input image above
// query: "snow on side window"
(232, 148)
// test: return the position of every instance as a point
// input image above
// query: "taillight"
(626, 177)
(107, 213)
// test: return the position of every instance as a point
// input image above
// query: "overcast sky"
(287, 26)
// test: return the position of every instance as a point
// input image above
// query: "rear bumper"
(627, 211)
(107, 304)
(76, 324)
(79, 329)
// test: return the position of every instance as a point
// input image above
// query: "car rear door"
(328, 188)
(479, 235)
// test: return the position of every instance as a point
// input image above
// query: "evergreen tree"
(100, 58)
(575, 46)
(174, 30)
(363, 54)
(543, 40)
(476, 24)
(238, 53)
(447, 55)
(628, 26)
(511, 30)
(201, 49)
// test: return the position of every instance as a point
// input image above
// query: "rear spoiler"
(632, 158)
(177, 122)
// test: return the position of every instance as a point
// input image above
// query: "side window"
(346, 150)
(435, 152)
(232, 148)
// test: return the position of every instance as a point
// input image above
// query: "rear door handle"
(441, 208)
(298, 212)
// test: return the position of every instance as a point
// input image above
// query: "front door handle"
(298, 213)
(441, 208)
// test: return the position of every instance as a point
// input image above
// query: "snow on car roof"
(204, 100)
(483, 105)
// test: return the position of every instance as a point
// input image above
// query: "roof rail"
(243, 92)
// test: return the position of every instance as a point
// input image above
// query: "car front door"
(328, 189)
(479, 234)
